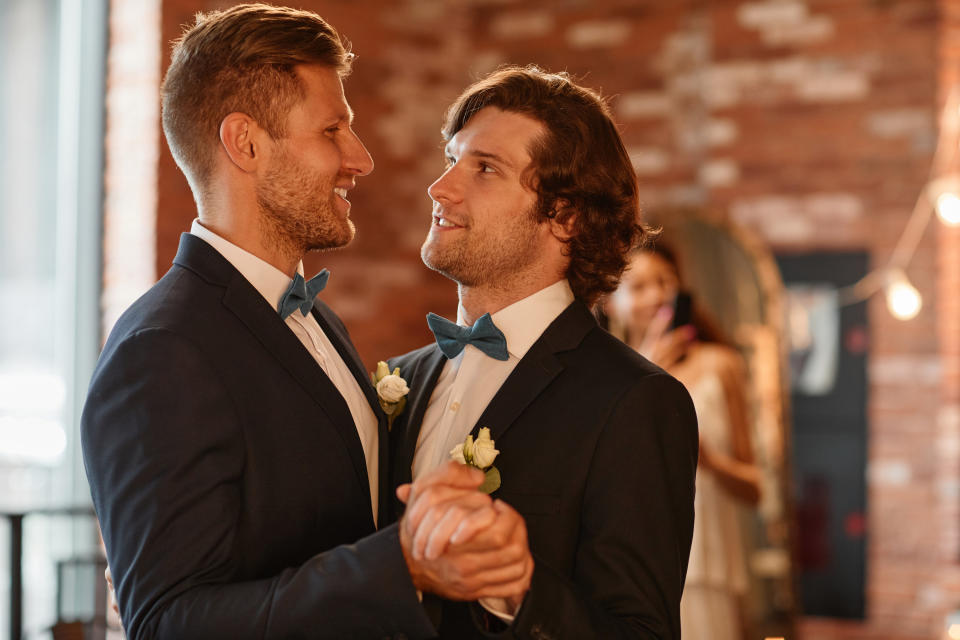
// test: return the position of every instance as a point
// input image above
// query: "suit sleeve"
(164, 455)
(636, 527)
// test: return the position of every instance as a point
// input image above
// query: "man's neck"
(245, 232)
(477, 301)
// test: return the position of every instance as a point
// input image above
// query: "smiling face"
(484, 230)
(302, 194)
(649, 283)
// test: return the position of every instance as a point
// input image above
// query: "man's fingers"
(514, 590)
(503, 580)
(452, 474)
(435, 496)
(455, 516)
(498, 535)
(445, 515)
(403, 492)
(422, 532)
(469, 526)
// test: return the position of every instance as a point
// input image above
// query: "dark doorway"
(828, 369)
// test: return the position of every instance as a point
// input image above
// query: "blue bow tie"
(301, 293)
(484, 335)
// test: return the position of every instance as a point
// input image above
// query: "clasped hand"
(459, 543)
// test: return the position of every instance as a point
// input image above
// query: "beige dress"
(716, 574)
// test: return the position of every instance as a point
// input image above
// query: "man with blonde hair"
(235, 450)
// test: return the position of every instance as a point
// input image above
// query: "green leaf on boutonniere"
(491, 481)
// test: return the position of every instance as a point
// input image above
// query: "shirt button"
(455, 406)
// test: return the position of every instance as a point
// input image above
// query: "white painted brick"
(930, 597)
(776, 218)
(834, 86)
(690, 195)
(760, 15)
(948, 418)
(838, 207)
(721, 132)
(682, 50)
(598, 33)
(725, 84)
(683, 85)
(889, 473)
(483, 62)
(741, 73)
(911, 370)
(771, 206)
(643, 104)
(648, 160)
(948, 490)
(721, 172)
(527, 24)
(813, 31)
(897, 123)
(789, 70)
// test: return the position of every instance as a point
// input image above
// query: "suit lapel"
(343, 345)
(536, 370)
(423, 378)
(244, 301)
(334, 331)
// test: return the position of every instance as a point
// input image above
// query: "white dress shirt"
(469, 382)
(272, 284)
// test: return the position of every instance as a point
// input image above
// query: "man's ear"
(562, 220)
(242, 140)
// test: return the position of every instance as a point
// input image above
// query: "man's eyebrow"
(483, 155)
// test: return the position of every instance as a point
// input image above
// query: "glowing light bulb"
(903, 299)
(948, 208)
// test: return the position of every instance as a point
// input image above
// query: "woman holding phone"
(658, 319)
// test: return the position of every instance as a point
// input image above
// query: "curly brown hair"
(240, 59)
(579, 169)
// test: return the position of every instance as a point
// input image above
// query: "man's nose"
(356, 159)
(444, 187)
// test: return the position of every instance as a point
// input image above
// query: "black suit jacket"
(228, 475)
(598, 452)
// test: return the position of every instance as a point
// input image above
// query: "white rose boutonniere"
(392, 391)
(480, 453)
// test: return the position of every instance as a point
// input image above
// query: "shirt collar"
(265, 278)
(524, 321)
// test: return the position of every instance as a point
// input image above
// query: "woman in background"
(644, 308)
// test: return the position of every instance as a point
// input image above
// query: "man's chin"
(448, 266)
(337, 240)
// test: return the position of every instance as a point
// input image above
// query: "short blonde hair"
(240, 59)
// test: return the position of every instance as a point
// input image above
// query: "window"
(52, 62)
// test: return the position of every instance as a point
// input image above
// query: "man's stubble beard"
(494, 260)
(297, 213)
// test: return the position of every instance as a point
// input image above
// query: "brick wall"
(812, 122)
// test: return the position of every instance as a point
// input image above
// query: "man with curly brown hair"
(533, 219)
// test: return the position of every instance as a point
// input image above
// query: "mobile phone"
(682, 310)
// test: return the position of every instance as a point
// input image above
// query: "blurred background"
(801, 154)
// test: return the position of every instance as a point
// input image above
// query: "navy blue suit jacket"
(598, 452)
(228, 475)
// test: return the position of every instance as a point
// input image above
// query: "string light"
(948, 208)
(903, 299)
(940, 194)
